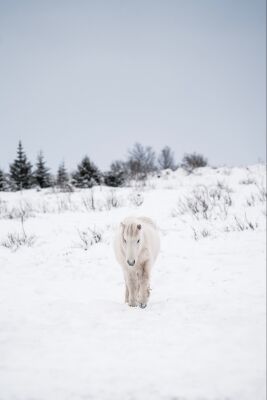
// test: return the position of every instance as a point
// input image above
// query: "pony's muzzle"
(131, 263)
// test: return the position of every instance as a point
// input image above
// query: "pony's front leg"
(144, 285)
(126, 293)
(132, 285)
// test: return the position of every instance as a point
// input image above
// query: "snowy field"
(65, 333)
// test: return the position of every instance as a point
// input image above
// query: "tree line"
(141, 161)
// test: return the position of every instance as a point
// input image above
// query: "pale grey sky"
(93, 77)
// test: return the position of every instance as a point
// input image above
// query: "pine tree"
(41, 174)
(3, 182)
(117, 174)
(20, 171)
(62, 176)
(87, 174)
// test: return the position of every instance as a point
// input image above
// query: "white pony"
(136, 247)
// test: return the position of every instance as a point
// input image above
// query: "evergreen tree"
(20, 171)
(3, 182)
(87, 174)
(62, 176)
(117, 174)
(41, 174)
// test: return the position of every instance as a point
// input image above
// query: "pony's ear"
(139, 226)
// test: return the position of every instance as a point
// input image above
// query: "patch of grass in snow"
(15, 240)
(65, 203)
(251, 200)
(226, 171)
(136, 198)
(64, 188)
(24, 209)
(248, 181)
(112, 201)
(205, 203)
(89, 237)
(89, 201)
(262, 193)
(258, 197)
(3, 207)
(201, 233)
(241, 225)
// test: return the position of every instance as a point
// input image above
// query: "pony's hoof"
(132, 304)
(142, 305)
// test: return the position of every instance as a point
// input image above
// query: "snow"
(65, 331)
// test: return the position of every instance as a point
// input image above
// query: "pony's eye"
(124, 241)
(138, 241)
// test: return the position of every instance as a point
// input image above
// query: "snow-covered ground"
(65, 333)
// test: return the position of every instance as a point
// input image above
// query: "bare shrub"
(24, 210)
(44, 207)
(89, 201)
(197, 204)
(242, 225)
(13, 213)
(65, 203)
(15, 240)
(223, 186)
(193, 161)
(251, 200)
(136, 198)
(221, 198)
(166, 159)
(200, 234)
(248, 181)
(226, 171)
(205, 203)
(89, 237)
(112, 201)
(66, 188)
(141, 161)
(262, 194)
(180, 209)
(3, 208)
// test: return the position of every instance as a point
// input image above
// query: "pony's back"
(148, 221)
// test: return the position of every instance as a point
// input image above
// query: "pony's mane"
(131, 226)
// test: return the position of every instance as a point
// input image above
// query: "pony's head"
(132, 238)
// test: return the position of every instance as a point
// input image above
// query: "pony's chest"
(143, 257)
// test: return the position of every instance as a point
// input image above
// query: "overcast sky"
(93, 77)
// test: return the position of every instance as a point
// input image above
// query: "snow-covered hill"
(66, 333)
